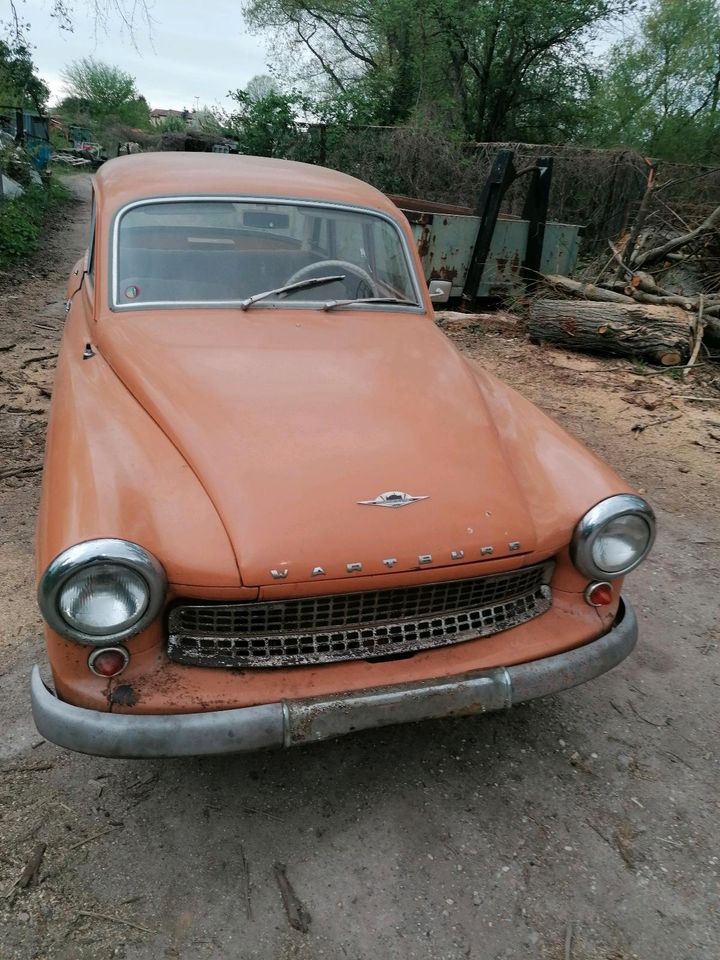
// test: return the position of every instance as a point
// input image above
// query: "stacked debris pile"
(196, 141)
(656, 298)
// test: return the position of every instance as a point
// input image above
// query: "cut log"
(587, 291)
(670, 299)
(646, 283)
(656, 334)
(698, 329)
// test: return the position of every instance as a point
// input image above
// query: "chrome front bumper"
(294, 722)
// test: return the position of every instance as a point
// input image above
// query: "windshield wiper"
(300, 285)
(331, 304)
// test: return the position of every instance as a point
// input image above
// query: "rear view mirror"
(269, 220)
(440, 290)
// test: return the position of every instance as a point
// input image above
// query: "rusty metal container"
(445, 236)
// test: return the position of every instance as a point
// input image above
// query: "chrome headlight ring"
(597, 520)
(105, 555)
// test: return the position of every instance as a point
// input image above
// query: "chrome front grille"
(355, 626)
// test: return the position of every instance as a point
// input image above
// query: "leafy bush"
(265, 126)
(22, 219)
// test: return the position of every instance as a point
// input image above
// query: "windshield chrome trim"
(418, 307)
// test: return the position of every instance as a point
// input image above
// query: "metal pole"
(501, 176)
(535, 211)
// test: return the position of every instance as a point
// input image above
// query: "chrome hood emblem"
(392, 498)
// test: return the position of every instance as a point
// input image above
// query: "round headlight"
(103, 598)
(613, 537)
(102, 591)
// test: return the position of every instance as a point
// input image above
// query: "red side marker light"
(599, 594)
(108, 663)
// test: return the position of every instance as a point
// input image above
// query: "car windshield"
(184, 252)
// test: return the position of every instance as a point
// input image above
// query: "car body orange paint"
(230, 444)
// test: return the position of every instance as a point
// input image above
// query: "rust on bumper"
(303, 721)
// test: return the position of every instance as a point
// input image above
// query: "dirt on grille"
(581, 827)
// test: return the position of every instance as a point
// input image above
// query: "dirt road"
(583, 827)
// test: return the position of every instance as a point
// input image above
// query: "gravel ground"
(581, 827)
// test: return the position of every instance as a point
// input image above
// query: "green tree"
(265, 122)
(20, 86)
(660, 90)
(171, 124)
(488, 69)
(260, 86)
(105, 93)
(207, 120)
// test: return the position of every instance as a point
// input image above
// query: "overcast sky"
(197, 51)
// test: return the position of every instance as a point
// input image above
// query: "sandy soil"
(582, 827)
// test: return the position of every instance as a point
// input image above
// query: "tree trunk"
(647, 284)
(586, 290)
(657, 334)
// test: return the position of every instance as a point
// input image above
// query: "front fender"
(560, 478)
(111, 472)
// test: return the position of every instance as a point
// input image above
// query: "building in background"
(159, 116)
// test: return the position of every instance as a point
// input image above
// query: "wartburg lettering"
(264, 345)
(392, 561)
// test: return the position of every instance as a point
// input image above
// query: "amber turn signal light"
(108, 662)
(599, 594)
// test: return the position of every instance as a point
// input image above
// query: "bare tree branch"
(657, 253)
(318, 56)
(353, 53)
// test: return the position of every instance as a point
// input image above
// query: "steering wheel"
(335, 266)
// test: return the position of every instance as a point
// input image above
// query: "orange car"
(278, 506)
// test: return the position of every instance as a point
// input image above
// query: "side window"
(91, 240)
(392, 267)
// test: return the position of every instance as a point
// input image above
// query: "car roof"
(164, 174)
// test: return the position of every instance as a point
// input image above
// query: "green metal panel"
(446, 241)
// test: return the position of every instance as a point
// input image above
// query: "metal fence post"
(501, 176)
(535, 212)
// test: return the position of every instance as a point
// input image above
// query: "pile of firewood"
(659, 305)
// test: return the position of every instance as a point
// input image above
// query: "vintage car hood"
(290, 418)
